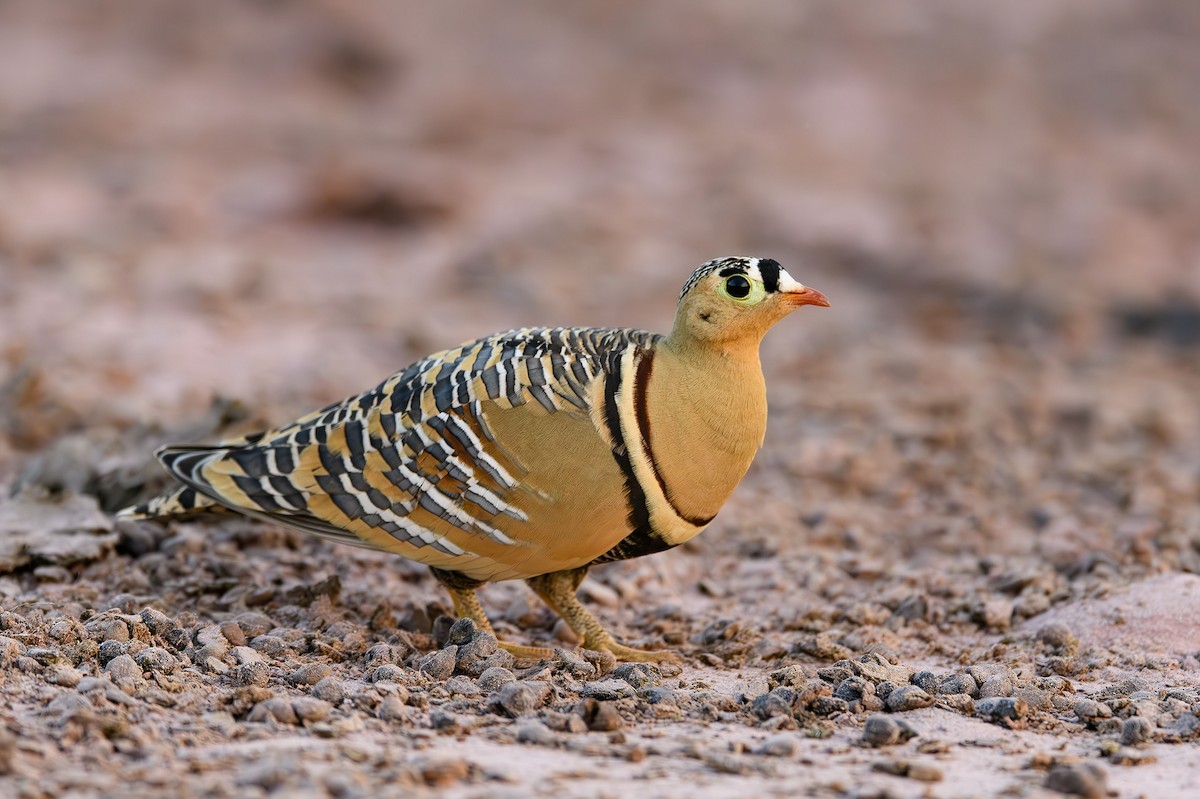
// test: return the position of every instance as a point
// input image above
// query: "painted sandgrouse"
(531, 454)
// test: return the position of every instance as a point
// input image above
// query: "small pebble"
(461, 632)
(853, 689)
(534, 732)
(1058, 636)
(789, 676)
(392, 709)
(606, 690)
(1079, 779)
(907, 697)
(906, 768)
(177, 638)
(251, 674)
(1136, 730)
(116, 630)
(277, 708)
(996, 685)
(439, 665)
(445, 772)
(777, 703)
(446, 721)
(828, 706)
(309, 709)
(253, 624)
(957, 684)
(782, 745)
(599, 716)
(156, 659)
(388, 672)
(155, 620)
(661, 695)
(884, 731)
(123, 671)
(1089, 709)
(481, 653)
(927, 681)
(233, 633)
(1187, 726)
(494, 677)
(996, 614)
(310, 674)
(64, 631)
(66, 676)
(573, 664)
(1006, 711)
(244, 654)
(109, 650)
(330, 690)
(516, 698)
(461, 685)
(272, 646)
(380, 653)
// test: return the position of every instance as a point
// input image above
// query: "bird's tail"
(184, 463)
(181, 501)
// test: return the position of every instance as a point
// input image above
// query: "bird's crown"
(765, 269)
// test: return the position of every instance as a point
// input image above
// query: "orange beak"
(806, 296)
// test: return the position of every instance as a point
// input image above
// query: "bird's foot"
(527, 652)
(628, 653)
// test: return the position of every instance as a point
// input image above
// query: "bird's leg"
(557, 590)
(466, 606)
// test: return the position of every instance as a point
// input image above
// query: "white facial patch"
(789, 283)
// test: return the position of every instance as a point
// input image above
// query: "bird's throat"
(703, 416)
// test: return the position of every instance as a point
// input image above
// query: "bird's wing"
(412, 465)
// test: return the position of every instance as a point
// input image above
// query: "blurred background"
(280, 202)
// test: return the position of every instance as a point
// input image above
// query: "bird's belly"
(572, 495)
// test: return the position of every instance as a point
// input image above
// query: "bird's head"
(729, 300)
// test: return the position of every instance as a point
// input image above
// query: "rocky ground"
(964, 564)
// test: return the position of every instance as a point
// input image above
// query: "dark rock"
(927, 681)
(461, 632)
(828, 706)
(1136, 730)
(778, 702)
(599, 716)
(884, 731)
(109, 650)
(1006, 711)
(155, 620)
(439, 665)
(1079, 779)
(957, 684)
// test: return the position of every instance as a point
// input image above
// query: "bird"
(531, 454)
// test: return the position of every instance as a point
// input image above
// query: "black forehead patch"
(769, 269)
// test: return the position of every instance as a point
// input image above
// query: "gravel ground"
(964, 564)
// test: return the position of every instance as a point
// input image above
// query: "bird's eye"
(737, 286)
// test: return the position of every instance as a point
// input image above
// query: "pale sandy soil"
(983, 464)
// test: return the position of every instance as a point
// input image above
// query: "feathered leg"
(557, 590)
